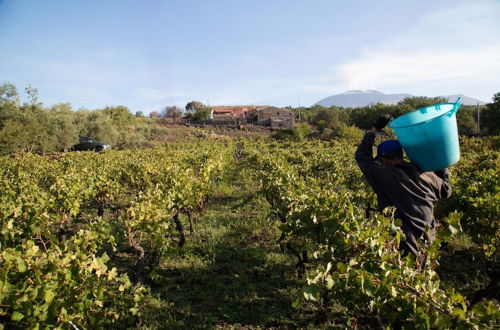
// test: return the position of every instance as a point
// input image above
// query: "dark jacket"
(404, 186)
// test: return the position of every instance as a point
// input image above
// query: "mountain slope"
(358, 98)
(465, 99)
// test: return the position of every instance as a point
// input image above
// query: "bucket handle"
(455, 108)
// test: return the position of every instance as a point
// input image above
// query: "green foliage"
(329, 118)
(171, 112)
(57, 284)
(199, 115)
(32, 95)
(194, 106)
(197, 112)
(284, 135)
(490, 117)
(318, 194)
(413, 103)
(8, 94)
(67, 220)
(351, 133)
(301, 131)
(476, 192)
(120, 115)
(467, 119)
(58, 235)
(363, 117)
(30, 127)
(298, 133)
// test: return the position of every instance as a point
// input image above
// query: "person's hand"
(382, 121)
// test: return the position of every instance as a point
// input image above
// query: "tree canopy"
(363, 117)
(34, 128)
(197, 111)
(490, 117)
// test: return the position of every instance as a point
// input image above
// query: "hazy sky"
(148, 54)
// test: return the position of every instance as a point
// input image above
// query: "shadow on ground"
(242, 284)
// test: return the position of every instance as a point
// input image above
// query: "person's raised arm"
(364, 153)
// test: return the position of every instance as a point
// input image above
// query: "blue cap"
(388, 147)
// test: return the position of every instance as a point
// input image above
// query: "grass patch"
(231, 273)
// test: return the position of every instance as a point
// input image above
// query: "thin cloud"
(99, 79)
(155, 94)
(446, 52)
(388, 69)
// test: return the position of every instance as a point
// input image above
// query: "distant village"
(266, 116)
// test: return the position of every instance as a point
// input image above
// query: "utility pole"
(478, 119)
(299, 110)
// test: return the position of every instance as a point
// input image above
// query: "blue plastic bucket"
(429, 135)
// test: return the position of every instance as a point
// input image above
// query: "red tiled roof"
(237, 110)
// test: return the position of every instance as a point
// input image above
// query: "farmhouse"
(260, 115)
(276, 117)
(233, 114)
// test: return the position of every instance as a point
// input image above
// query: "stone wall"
(276, 118)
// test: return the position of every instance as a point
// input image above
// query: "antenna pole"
(478, 119)
(299, 110)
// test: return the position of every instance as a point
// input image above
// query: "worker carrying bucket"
(429, 137)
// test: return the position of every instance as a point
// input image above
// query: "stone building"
(260, 115)
(276, 117)
(230, 115)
